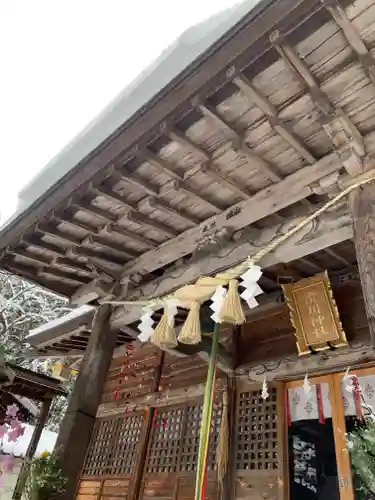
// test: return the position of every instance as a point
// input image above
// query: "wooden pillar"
(145, 436)
(77, 425)
(30, 452)
(362, 205)
(230, 478)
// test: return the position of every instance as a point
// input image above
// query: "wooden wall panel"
(113, 446)
(171, 460)
(178, 372)
(115, 489)
(131, 376)
(257, 444)
(89, 490)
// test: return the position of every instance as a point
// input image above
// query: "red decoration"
(116, 394)
(319, 400)
(357, 398)
(287, 408)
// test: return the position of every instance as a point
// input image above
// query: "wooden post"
(362, 205)
(30, 452)
(230, 478)
(145, 436)
(77, 425)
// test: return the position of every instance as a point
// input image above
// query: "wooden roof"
(250, 138)
(32, 385)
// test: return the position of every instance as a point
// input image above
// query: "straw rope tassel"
(231, 311)
(222, 452)
(206, 415)
(164, 334)
(191, 331)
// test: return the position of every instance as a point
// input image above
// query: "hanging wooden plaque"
(314, 314)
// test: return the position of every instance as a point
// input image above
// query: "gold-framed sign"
(314, 314)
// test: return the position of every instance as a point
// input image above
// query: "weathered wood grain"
(362, 207)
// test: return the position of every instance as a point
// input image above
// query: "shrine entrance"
(321, 411)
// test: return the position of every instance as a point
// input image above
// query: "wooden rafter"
(337, 256)
(345, 136)
(239, 143)
(262, 204)
(269, 110)
(131, 214)
(207, 166)
(312, 264)
(177, 183)
(335, 227)
(42, 261)
(351, 34)
(155, 199)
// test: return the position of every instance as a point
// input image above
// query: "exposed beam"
(53, 231)
(254, 95)
(57, 262)
(351, 34)
(43, 245)
(131, 214)
(331, 228)
(66, 289)
(57, 273)
(154, 197)
(98, 287)
(86, 206)
(345, 136)
(240, 144)
(291, 190)
(100, 239)
(111, 195)
(45, 266)
(146, 221)
(137, 181)
(151, 204)
(77, 267)
(142, 240)
(337, 256)
(76, 224)
(90, 254)
(207, 166)
(293, 366)
(312, 264)
(179, 187)
(177, 183)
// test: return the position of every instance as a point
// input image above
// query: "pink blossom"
(12, 411)
(8, 464)
(16, 430)
(3, 430)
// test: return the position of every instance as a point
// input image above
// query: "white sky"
(62, 61)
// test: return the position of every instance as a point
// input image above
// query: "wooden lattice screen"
(259, 434)
(173, 452)
(113, 446)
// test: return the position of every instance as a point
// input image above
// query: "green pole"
(206, 414)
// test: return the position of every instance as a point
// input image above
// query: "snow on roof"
(26, 403)
(74, 314)
(18, 449)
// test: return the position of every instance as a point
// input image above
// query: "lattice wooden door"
(111, 457)
(260, 437)
(173, 450)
